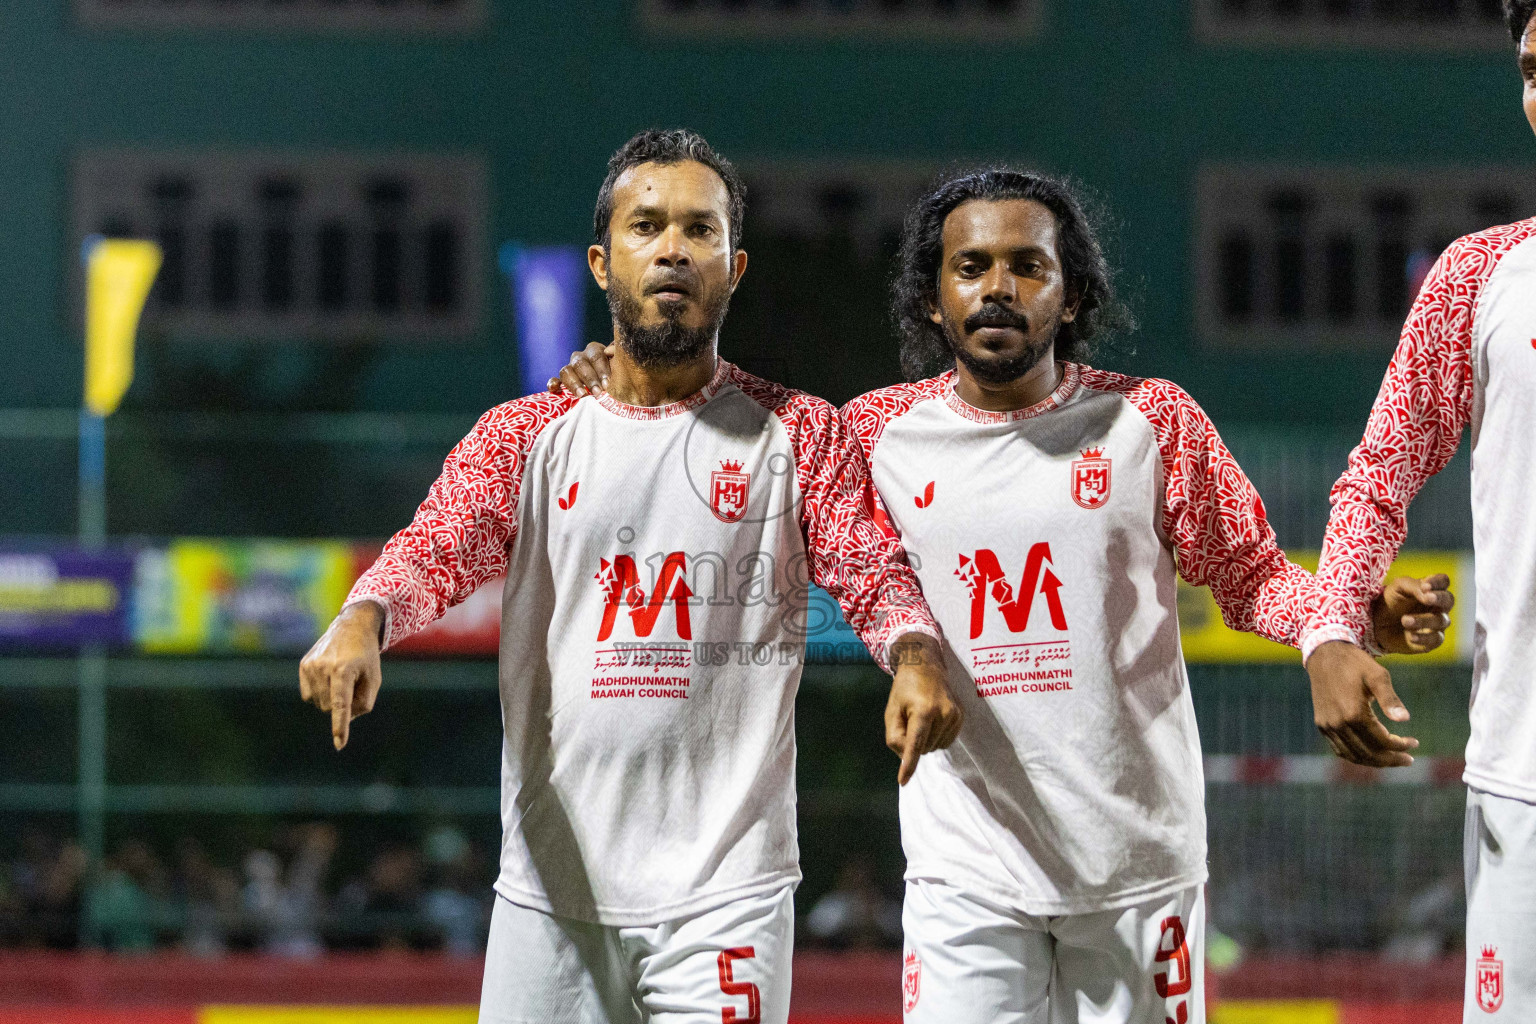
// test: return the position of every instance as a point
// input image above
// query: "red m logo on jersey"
(984, 575)
(621, 581)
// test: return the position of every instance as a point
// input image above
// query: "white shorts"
(730, 964)
(1501, 908)
(970, 961)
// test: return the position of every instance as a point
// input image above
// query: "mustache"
(993, 315)
(671, 277)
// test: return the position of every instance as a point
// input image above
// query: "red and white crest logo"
(728, 491)
(1090, 479)
(911, 982)
(1490, 981)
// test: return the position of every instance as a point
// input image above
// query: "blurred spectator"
(126, 905)
(209, 897)
(390, 895)
(286, 909)
(10, 908)
(1432, 924)
(431, 895)
(457, 905)
(47, 879)
(856, 914)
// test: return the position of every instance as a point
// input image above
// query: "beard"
(998, 370)
(669, 343)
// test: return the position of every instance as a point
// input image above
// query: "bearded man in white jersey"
(1467, 355)
(657, 543)
(1056, 852)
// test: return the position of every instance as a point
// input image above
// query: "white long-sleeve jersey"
(1467, 355)
(654, 615)
(1047, 541)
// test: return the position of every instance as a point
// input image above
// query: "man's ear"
(932, 302)
(597, 262)
(1069, 312)
(738, 267)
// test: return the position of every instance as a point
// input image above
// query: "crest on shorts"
(1490, 980)
(1090, 479)
(728, 491)
(911, 982)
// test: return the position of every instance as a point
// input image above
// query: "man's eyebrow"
(1526, 60)
(974, 252)
(658, 213)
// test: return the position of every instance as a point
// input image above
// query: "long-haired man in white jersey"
(1467, 356)
(1056, 851)
(657, 542)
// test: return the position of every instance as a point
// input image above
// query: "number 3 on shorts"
(732, 987)
(1177, 980)
(1172, 947)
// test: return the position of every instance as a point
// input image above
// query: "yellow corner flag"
(118, 274)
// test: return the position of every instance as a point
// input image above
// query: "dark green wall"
(1121, 95)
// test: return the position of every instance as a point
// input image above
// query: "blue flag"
(548, 296)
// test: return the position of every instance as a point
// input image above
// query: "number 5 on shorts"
(732, 987)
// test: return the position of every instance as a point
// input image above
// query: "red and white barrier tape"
(1325, 769)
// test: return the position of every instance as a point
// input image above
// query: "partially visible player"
(1467, 356)
(1056, 852)
(657, 542)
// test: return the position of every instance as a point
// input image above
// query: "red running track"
(830, 988)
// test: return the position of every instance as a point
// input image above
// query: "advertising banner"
(239, 596)
(828, 637)
(267, 597)
(57, 598)
(1208, 640)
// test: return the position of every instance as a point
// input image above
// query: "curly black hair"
(1517, 13)
(669, 146)
(1089, 277)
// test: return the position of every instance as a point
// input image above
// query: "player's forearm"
(906, 629)
(1364, 536)
(882, 601)
(1266, 594)
(408, 597)
(860, 564)
(915, 648)
(367, 614)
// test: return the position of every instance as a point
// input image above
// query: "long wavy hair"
(1518, 13)
(1089, 277)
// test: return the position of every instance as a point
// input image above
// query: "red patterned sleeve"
(861, 565)
(463, 532)
(1214, 518)
(1424, 403)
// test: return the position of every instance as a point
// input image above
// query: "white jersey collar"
(1071, 377)
(659, 412)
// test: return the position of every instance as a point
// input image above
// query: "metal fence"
(224, 752)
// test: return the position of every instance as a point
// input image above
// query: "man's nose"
(999, 287)
(671, 250)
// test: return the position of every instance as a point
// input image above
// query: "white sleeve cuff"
(1368, 639)
(1324, 634)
